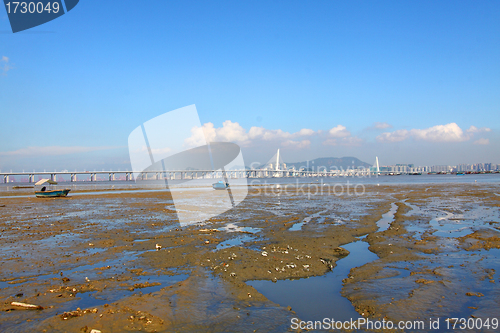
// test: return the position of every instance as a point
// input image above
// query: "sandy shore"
(91, 261)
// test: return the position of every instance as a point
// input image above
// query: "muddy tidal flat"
(120, 262)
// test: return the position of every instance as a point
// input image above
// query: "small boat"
(44, 193)
(52, 193)
(220, 185)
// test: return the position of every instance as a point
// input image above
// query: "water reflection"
(319, 297)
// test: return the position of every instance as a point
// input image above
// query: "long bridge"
(94, 176)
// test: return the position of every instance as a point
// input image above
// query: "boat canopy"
(43, 181)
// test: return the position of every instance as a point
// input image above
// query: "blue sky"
(410, 82)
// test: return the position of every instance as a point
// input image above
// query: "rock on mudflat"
(27, 306)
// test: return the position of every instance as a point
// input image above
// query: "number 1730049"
(32, 7)
(471, 323)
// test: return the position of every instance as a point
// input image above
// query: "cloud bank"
(337, 135)
(440, 133)
(234, 132)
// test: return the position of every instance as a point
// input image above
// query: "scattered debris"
(77, 313)
(146, 284)
(474, 294)
(208, 230)
(327, 262)
(341, 251)
(27, 306)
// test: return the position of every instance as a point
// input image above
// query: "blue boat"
(44, 193)
(220, 185)
(52, 193)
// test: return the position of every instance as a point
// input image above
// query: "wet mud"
(439, 258)
(119, 262)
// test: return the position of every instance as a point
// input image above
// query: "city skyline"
(268, 170)
(397, 167)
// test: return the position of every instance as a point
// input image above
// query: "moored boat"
(53, 193)
(220, 185)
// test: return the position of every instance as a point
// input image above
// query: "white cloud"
(305, 132)
(440, 133)
(482, 141)
(256, 132)
(297, 144)
(267, 135)
(234, 132)
(339, 131)
(4, 65)
(379, 126)
(51, 151)
(229, 131)
(200, 135)
(474, 129)
(395, 136)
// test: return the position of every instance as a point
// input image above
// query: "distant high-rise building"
(411, 168)
(464, 167)
(440, 168)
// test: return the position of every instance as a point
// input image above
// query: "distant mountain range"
(342, 163)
